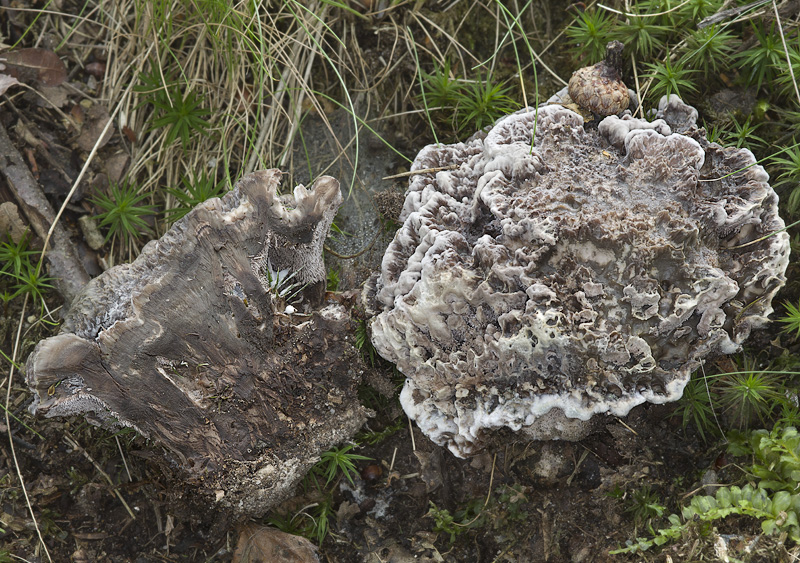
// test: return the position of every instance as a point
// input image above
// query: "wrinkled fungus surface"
(534, 287)
(186, 345)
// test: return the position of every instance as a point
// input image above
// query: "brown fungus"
(186, 346)
(599, 88)
(537, 285)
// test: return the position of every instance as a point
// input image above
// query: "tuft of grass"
(194, 192)
(464, 105)
(788, 167)
(181, 112)
(791, 321)
(33, 282)
(482, 103)
(442, 88)
(287, 523)
(15, 257)
(338, 460)
(332, 280)
(123, 213)
(641, 35)
(374, 437)
(708, 49)
(590, 33)
(744, 135)
(713, 132)
(695, 10)
(695, 407)
(761, 61)
(790, 415)
(282, 286)
(320, 520)
(785, 81)
(364, 344)
(749, 395)
(644, 505)
(670, 78)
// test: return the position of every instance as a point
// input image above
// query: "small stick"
(124, 461)
(622, 422)
(72, 443)
(726, 14)
(488, 496)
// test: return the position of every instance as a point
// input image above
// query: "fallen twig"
(65, 266)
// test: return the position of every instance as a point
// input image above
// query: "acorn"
(371, 473)
(599, 88)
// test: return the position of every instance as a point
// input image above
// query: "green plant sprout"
(789, 174)
(320, 520)
(123, 213)
(332, 280)
(786, 79)
(708, 49)
(441, 87)
(281, 285)
(364, 344)
(695, 407)
(749, 395)
(467, 106)
(644, 506)
(670, 78)
(774, 500)
(471, 516)
(33, 282)
(338, 460)
(287, 523)
(641, 35)
(743, 135)
(193, 192)
(791, 321)
(373, 438)
(443, 521)
(763, 58)
(20, 270)
(180, 112)
(312, 521)
(15, 256)
(590, 33)
(696, 10)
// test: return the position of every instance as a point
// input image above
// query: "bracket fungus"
(186, 346)
(536, 284)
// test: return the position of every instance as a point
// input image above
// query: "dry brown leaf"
(261, 544)
(41, 65)
(7, 82)
(96, 119)
(11, 223)
(55, 96)
(115, 166)
(430, 468)
(347, 510)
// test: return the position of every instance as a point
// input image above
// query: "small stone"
(91, 234)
